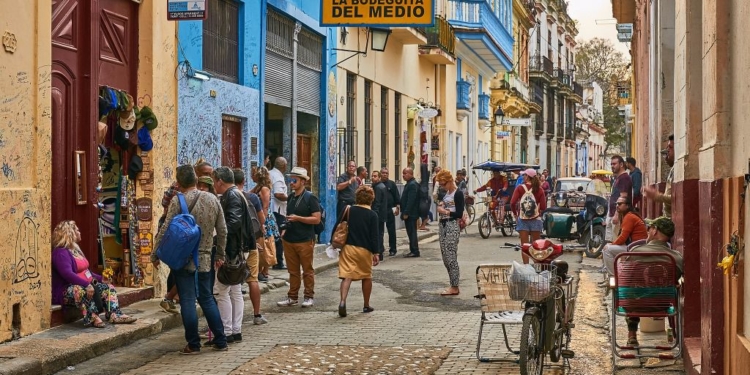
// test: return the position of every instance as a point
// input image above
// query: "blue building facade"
(256, 76)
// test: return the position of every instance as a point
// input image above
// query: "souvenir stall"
(125, 187)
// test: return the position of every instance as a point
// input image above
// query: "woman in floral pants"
(450, 209)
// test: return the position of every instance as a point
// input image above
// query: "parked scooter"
(589, 222)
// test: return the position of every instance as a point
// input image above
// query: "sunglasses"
(294, 180)
(619, 203)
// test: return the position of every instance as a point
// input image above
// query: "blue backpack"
(180, 241)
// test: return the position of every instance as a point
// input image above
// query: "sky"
(587, 12)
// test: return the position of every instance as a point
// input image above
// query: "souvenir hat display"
(148, 119)
(144, 139)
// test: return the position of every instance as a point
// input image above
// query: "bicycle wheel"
(508, 225)
(472, 214)
(485, 225)
(557, 335)
(532, 350)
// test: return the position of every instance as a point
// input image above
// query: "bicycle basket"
(536, 286)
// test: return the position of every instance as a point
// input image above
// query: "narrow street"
(412, 330)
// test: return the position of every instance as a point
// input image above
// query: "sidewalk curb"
(41, 353)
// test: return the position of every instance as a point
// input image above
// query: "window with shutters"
(397, 136)
(368, 125)
(349, 135)
(221, 40)
(383, 127)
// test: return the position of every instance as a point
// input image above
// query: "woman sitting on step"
(73, 284)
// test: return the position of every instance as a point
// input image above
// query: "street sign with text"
(187, 10)
(381, 13)
(517, 122)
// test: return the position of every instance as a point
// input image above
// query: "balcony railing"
(538, 95)
(520, 86)
(538, 124)
(441, 35)
(578, 89)
(541, 64)
(550, 125)
(560, 130)
(570, 131)
(484, 107)
(462, 95)
(558, 74)
(478, 14)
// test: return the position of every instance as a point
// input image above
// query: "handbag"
(338, 240)
(269, 251)
(234, 271)
(463, 220)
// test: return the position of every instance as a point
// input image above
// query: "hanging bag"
(342, 231)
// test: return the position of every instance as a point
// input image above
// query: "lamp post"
(377, 39)
(498, 117)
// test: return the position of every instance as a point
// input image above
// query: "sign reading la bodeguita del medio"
(377, 13)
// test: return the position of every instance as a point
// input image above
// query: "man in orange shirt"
(632, 229)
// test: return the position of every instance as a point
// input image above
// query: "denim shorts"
(533, 225)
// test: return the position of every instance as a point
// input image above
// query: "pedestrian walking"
(528, 202)
(450, 210)
(410, 214)
(73, 283)
(209, 216)
(380, 207)
(346, 184)
(394, 205)
(253, 264)
(299, 239)
(360, 253)
(279, 199)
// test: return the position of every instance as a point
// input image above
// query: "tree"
(598, 61)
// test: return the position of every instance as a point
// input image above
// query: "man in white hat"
(302, 214)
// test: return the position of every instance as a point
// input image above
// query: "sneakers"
(287, 302)
(308, 302)
(237, 337)
(262, 278)
(168, 306)
(258, 320)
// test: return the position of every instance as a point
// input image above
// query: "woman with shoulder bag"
(270, 230)
(361, 249)
(450, 210)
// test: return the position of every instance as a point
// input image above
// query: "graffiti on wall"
(26, 251)
(199, 124)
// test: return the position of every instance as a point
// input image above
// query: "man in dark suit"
(394, 208)
(410, 213)
(380, 206)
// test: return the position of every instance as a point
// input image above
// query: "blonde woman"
(73, 283)
(263, 190)
(450, 210)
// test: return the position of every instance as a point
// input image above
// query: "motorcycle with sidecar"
(590, 221)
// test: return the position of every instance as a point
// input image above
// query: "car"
(575, 187)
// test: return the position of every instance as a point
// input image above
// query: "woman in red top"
(633, 228)
(528, 210)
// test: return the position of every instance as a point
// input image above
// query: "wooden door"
(93, 43)
(231, 142)
(304, 153)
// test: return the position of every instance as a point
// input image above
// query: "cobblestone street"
(413, 330)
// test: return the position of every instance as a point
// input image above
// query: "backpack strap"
(526, 188)
(183, 203)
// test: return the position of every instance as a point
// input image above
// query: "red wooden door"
(304, 152)
(231, 142)
(93, 43)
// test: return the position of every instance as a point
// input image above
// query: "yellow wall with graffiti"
(25, 118)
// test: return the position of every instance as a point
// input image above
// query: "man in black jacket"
(410, 214)
(240, 239)
(380, 206)
(394, 206)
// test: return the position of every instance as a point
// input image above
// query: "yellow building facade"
(49, 136)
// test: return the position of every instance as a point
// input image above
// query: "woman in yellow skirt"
(360, 253)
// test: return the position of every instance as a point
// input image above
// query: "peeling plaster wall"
(200, 115)
(25, 161)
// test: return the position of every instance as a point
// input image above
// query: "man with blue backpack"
(184, 244)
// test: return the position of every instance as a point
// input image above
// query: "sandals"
(367, 309)
(449, 293)
(121, 319)
(98, 323)
(632, 341)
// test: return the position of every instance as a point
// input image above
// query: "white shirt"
(449, 203)
(278, 185)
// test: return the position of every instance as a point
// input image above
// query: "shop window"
(221, 40)
(368, 125)
(383, 127)
(231, 142)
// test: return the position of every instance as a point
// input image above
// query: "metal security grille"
(368, 125)
(383, 127)
(279, 56)
(347, 147)
(351, 115)
(397, 136)
(310, 67)
(221, 40)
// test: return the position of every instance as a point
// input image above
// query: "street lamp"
(377, 39)
(499, 115)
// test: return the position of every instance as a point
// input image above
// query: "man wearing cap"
(660, 231)
(664, 198)
(303, 213)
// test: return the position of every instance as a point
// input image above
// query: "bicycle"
(488, 220)
(469, 204)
